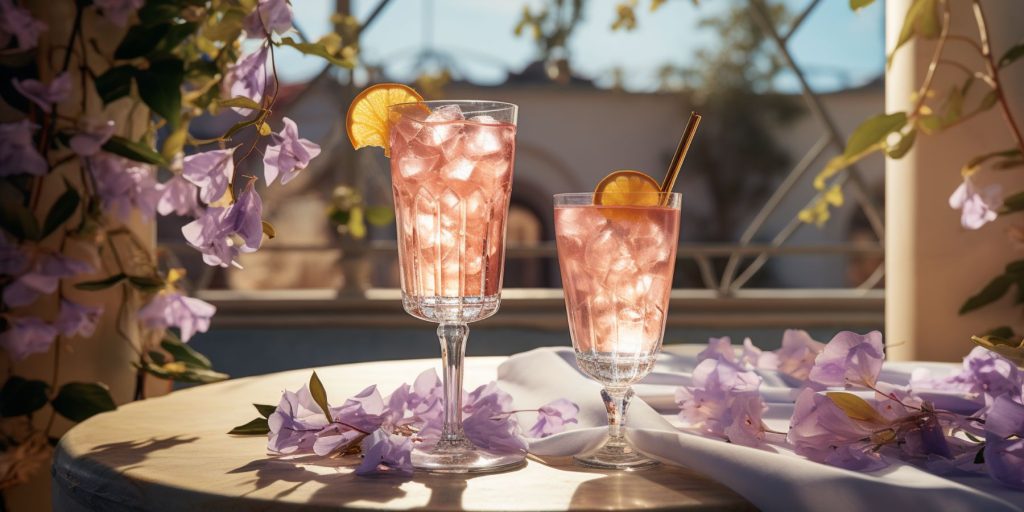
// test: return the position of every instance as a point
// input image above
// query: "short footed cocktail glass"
(616, 264)
(451, 172)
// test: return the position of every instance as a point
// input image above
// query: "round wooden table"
(173, 453)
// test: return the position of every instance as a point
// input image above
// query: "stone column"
(106, 356)
(932, 263)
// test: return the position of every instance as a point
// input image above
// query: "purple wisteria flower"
(553, 417)
(222, 233)
(288, 155)
(1004, 442)
(295, 423)
(718, 348)
(822, 432)
(13, 260)
(26, 336)
(985, 373)
(211, 171)
(124, 186)
(209, 236)
(45, 95)
(359, 415)
(245, 218)
(172, 309)
(18, 154)
(798, 352)
(118, 11)
(724, 401)
(757, 358)
(488, 420)
(43, 278)
(93, 135)
(248, 78)
(17, 23)
(178, 196)
(270, 16)
(77, 319)
(849, 358)
(386, 453)
(977, 206)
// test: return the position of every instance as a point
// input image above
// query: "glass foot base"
(614, 457)
(465, 459)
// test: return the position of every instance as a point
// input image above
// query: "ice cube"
(605, 252)
(411, 164)
(460, 168)
(493, 172)
(484, 136)
(441, 125)
(445, 113)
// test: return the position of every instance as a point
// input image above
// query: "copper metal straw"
(677, 159)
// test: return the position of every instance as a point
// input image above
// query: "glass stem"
(616, 401)
(453, 354)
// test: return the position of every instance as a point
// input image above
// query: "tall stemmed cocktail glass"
(616, 264)
(451, 171)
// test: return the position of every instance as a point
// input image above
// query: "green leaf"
(158, 11)
(140, 40)
(992, 292)
(265, 409)
(157, 357)
(873, 131)
(975, 162)
(177, 33)
(181, 351)
(316, 389)
(380, 215)
(901, 148)
(160, 88)
(1015, 52)
(115, 83)
(922, 19)
(1013, 203)
(132, 150)
(1008, 348)
(988, 101)
(239, 102)
(855, 407)
(856, 5)
(1015, 267)
(17, 219)
(101, 284)
(182, 372)
(78, 401)
(21, 396)
(146, 284)
(316, 49)
(62, 210)
(1003, 331)
(256, 427)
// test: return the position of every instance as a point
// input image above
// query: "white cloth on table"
(772, 478)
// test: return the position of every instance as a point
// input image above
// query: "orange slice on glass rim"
(627, 188)
(367, 119)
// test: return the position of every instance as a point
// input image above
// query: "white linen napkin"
(772, 479)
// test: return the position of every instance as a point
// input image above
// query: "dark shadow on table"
(345, 487)
(124, 455)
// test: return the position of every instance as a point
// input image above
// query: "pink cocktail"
(451, 173)
(451, 170)
(616, 264)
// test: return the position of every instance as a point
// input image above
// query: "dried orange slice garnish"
(627, 188)
(367, 119)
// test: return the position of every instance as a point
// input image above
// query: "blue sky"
(835, 46)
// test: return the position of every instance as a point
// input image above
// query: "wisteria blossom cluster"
(386, 429)
(176, 60)
(832, 423)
